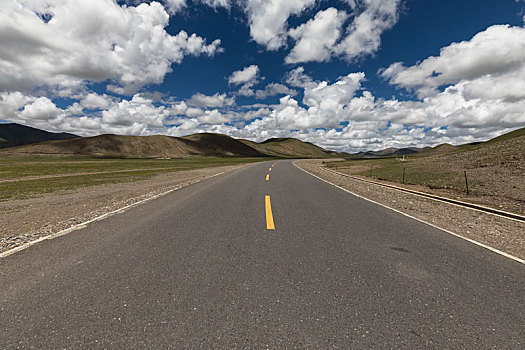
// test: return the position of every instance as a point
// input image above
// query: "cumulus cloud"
(53, 42)
(137, 113)
(137, 116)
(322, 37)
(174, 6)
(95, 101)
(492, 62)
(326, 105)
(216, 100)
(217, 3)
(364, 33)
(451, 109)
(298, 78)
(256, 113)
(268, 19)
(472, 91)
(213, 117)
(316, 38)
(247, 77)
(41, 108)
(477, 102)
(273, 89)
(11, 103)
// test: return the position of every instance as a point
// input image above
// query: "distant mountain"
(442, 148)
(220, 144)
(439, 149)
(393, 152)
(13, 134)
(140, 146)
(288, 147)
(205, 144)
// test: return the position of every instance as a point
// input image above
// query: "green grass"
(85, 172)
(391, 169)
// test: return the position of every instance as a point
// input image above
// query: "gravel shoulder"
(497, 232)
(22, 221)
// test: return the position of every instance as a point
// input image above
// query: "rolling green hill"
(288, 147)
(205, 144)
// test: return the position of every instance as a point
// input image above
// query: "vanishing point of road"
(266, 256)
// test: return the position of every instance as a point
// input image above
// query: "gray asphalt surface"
(198, 269)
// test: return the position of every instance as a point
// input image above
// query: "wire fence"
(434, 179)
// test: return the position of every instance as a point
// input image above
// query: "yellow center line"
(267, 177)
(270, 169)
(269, 215)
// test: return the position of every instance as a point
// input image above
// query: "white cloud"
(194, 112)
(137, 113)
(268, 19)
(316, 38)
(326, 105)
(246, 75)
(472, 91)
(216, 100)
(273, 89)
(11, 104)
(127, 45)
(217, 3)
(178, 108)
(319, 38)
(297, 77)
(213, 117)
(492, 62)
(257, 113)
(246, 90)
(332, 96)
(364, 33)
(41, 108)
(468, 111)
(96, 101)
(451, 109)
(174, 6)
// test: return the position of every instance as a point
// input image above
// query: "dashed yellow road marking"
(270, 169)
(269, 216)
(267, 177)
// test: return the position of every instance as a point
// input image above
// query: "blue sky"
(348, 75)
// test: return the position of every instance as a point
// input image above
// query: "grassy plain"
(416, 172)
(26, 177)
(495, 171)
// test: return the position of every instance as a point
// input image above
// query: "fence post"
(404, 175)
(466, 181)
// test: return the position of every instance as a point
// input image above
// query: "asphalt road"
(199, 268)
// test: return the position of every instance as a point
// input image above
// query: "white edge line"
(515, 258)
(103, 216)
